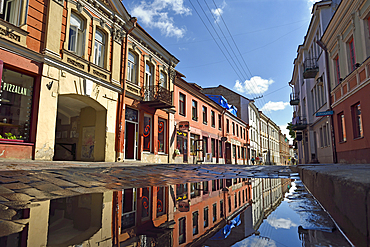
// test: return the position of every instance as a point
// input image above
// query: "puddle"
(221, 212)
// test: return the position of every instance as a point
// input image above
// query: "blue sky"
(266, 33)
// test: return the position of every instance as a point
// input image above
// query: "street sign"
(324, 113)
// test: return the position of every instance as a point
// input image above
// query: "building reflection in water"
(219, 212)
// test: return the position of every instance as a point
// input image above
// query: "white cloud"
(275, 106)
(256, 241)
(280, 223)
(156, 15)
(256, 85)
(219, 11)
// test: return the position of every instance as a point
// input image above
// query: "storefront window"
(161, 135)
(147, 133)
(15, 105)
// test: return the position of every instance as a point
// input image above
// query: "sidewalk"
(344, 191)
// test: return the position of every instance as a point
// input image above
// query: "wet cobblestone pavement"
(19, 188)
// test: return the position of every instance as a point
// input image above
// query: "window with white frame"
(163, 79)
(99, 48)
(131, 67)
(148, 74)
(76, 35)
(11, 11)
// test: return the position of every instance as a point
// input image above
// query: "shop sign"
(184, 125)
(11, 88)
(180, 133)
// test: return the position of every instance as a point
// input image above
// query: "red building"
(204, 130)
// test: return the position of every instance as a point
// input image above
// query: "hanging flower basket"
(177, 151)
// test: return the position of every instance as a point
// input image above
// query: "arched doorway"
(80, 129)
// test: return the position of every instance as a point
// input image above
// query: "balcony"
(310, 68)
(294, 99)
(156, 97)
(299, 123)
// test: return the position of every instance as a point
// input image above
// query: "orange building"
(20, 73)
(147, 108)
(205, 207)
(204, 130)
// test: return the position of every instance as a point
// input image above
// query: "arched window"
(99, 48)
(76, 35)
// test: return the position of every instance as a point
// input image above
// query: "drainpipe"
(323, 46)
(121, 98)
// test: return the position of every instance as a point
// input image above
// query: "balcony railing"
(299, 123)
(294, 99)
(156, 96)
(310, 68)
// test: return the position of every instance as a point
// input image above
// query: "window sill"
(181, 114)
(15, 142)
(341, 142)
(358, 138)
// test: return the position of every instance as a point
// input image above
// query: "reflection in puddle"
(222, 212)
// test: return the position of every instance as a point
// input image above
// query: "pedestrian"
(252, 160)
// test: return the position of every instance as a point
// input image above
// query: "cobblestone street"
(19, 188)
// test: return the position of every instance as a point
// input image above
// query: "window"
(221, 208)
(205, 217)
(219, 122)
(220, 149)
(11, 11)
(337, 70)
(240, 199)
(204, 115)
(342, 128)
(131, 67)
(161, 203)
(205, 145)
(205, 187)
(148, 75)
(352, 57)
(145, 203)
(233, 128)
(241, 132)
(194, 110)
(163, 79)
(235, 200)
(193, 144)
(76, 35)
(227, 126)
(244, 134)
(357, 121)
(147, 133)
(194, 190)
(99, 48)
(238, 152)
(15, 105)
(214, 212)
(325, 136)
(195, 223)
(237, 130)
(321, 138)
(229, 201)
(234, 151)
(181, 191)
(243, 197)
(213, 119)
(182, 230)
(161, 135)
(182, 104)
(213, 147)
(128, 208)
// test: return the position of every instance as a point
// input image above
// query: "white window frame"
(15, 11)
(99, 51)
(79, 39)
(131, 67)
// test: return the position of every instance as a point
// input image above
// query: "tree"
(291, 131)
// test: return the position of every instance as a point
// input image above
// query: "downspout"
(323, 46)
(121, 98)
